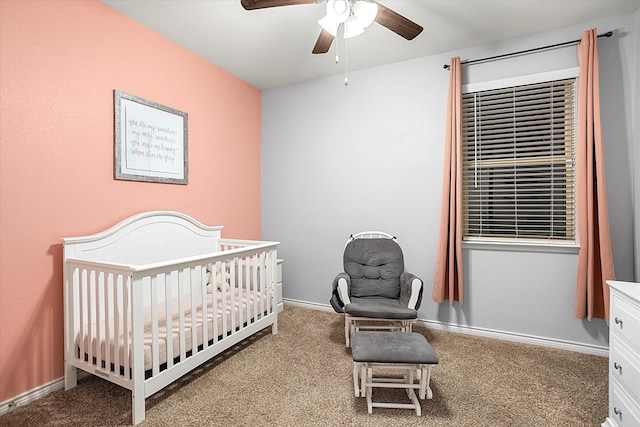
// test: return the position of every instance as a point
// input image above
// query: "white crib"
(157, 295)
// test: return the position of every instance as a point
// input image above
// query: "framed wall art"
(150, 141)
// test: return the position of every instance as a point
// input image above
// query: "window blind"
(519, 162)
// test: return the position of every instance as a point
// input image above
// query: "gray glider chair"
(374, 291)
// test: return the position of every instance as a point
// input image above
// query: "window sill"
(572, 248)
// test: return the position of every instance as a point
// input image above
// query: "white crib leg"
(137, 406)
(70, 376)
(137, 392)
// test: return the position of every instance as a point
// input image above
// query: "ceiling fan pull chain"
(337, 45)
(346, 56)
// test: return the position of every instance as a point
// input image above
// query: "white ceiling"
(272, 47)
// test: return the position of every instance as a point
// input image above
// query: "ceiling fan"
(353, 15)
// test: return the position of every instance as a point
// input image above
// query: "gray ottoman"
(409, 353)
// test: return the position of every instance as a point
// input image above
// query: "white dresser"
(624, 355)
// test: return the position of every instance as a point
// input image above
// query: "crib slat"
(266, 282)
(262, 280)
(214, 304)
(107, 317)
(98, 276)
(126, 325)
(264, 295)
(82, 304)
(261, 284)
(247, 275)
(194, 312)
(169, 284)
(183, 346)
(269, 280)
(232, 289)
(223, 313)
(90, 313)
(240, 288)
(155, 357)
(256, 285)
(205, 307)
(117, 309)
(100, 316)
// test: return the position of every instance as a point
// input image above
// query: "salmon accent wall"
(59, 64)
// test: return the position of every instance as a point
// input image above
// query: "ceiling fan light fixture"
(329, 25)
(338, 10)
(352, 27)
(365, 11)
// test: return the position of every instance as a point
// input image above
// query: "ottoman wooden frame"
(409, 353)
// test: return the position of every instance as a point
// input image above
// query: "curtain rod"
(551, 46)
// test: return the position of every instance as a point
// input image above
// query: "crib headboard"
(144, 238)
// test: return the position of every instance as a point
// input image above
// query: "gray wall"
(337, 160)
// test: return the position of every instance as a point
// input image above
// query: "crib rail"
(134, 324)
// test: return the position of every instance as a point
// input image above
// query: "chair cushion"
(392, 347)
(374, 266)
(379, 308)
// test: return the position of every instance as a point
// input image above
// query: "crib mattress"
(240, 303)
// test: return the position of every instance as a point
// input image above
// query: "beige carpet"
(303, 377)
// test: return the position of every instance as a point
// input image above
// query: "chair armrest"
(340, 292)
(410, 290)
(343, 285)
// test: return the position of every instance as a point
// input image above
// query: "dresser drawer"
(625, 322)
(622, 410)
(625, 368)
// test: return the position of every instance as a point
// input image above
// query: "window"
(519, 162)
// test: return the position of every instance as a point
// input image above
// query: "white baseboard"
(35, 394)
(484, 332)
(520, 338)
(31, 395)
(311, 305)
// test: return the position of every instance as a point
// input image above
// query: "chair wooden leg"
(347, 329)
(427, 381)
(369, 390)
(415, 401)
(408, 379)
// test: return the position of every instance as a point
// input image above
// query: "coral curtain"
(448, 283)
(595, 262)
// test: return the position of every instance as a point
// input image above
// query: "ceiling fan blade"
(263, 4)
(397, 23)
(324, 42)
